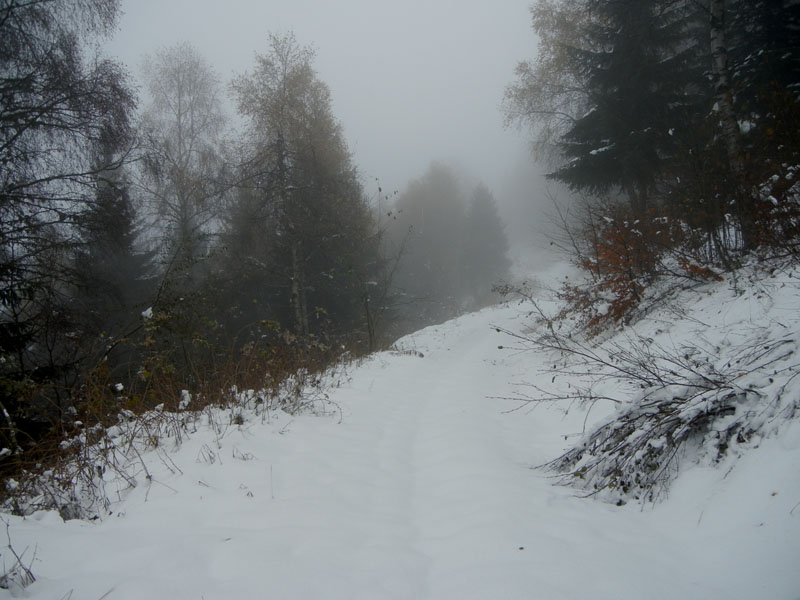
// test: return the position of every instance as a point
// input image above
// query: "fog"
(411, 82)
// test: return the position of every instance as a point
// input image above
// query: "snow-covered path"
(423, 490)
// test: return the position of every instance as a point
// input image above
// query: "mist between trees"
(148, 246)
(157, 244)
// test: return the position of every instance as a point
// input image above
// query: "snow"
(186, 400)
(420, 482)
(597, 151)
(746, 126)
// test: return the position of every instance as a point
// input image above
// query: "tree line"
(676, 122)
(149, 247)
(455, 251)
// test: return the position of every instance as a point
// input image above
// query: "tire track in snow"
(438, 460)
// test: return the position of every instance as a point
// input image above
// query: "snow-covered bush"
(714, 369)
(87, 472)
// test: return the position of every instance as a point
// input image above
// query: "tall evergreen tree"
(640, 79)
(688, 109)
(764, 62)
(113, 275)
(299, 168)
(756, 71)
(246, 274)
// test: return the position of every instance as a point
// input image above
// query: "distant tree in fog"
(431, 213)
(182, 129)
(484, 254)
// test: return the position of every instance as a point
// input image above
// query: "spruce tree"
(637, 63)
(300, 172)
(764, 61)
(113, 275)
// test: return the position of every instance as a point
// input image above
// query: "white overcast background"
(411, 81)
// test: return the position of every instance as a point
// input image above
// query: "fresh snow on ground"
(420, 483)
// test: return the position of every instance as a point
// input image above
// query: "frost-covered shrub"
(687, 383)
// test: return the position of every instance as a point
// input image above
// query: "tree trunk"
(637, 197)
(728, 122)
(298, 293)
(371, 341)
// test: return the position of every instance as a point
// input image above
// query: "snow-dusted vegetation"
(710, 370)
(423, 471)
(233, 364)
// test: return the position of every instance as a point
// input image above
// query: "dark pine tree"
(764, 62)
(250, 289)
(113, 276)
(639, 71)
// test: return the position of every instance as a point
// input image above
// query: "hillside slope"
(419, 483)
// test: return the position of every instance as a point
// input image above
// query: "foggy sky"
(411, 81)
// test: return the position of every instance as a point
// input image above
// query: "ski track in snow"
(424, 490)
